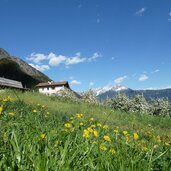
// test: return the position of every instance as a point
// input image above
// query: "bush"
(138, 104)
(89, 97)
(160, 107)
(66, 95)
(120, 102)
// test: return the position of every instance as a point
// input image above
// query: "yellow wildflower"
(125, 132)
(81, 123)
(91, 119)
(47, 113)
(96, 134)
(135, 136)
(11, 113)
(34, 110)
(105, 126)
(103, 147)
(106, 138)
(99, 125)
(1, 109)
(155, 146)
(93, 126)
(79, 115)
(115, 131)
(9, 98)
(94, 142)
(67, 125)
(5, 100)
(86, 133)
(127, 139)
(168, 143)
(90, 129)
(43, 136)
(158, 138)
(112, 151)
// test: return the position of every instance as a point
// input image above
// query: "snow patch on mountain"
(115, 88)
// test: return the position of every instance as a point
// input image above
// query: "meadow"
(46, 133)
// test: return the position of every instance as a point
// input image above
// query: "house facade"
(52, 88)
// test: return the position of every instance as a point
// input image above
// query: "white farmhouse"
(51, 88)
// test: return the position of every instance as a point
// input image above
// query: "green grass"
(34, 136)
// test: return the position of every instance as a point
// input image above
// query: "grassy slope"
(33, 141)
(161, 125)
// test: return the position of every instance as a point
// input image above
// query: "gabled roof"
(54, 84)
(4, 82)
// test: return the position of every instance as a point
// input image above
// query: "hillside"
(15, 68)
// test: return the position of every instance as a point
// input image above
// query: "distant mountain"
(109, 92)
(153, 94)
(114, 89)
(15, 68)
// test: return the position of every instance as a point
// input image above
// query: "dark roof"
(4, 82)
(53, 84)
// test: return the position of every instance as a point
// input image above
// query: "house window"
(47, 88)
(53, 88)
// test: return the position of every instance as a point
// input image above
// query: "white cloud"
(120, 79)
(91, 84)
(94, 57)
(55, 60)
(75, 82)
(74, 60)
(140, 12)
(143, 77)
(156, 88)
(169, 16)
(78, 54)
(40, 67)
(155, 71)
(36, 57)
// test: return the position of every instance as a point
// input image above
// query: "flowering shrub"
(159, 107)
(89, 97)
(120, 102)
(139, 104)
(66, 95)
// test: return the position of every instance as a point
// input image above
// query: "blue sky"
(92, 43)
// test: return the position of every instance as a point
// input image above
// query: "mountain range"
(14, 68)
(109, 92)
